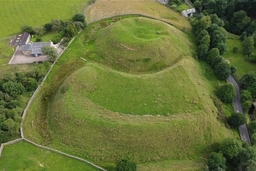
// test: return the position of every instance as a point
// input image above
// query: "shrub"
(226, 93)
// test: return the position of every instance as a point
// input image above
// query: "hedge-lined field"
(14, 14)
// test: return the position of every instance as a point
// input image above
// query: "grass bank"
(24, 156)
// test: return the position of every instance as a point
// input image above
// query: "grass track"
(16, 13)
(24, 156)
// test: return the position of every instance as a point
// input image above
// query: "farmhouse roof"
(35, 48)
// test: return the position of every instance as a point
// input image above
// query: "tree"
(125, 165)
(222, 70)
(79, 17)
(246, 100)
(200, 35)
(216, 161)
(211, 55)
(216, 20)
(230, 148)
(239, 22)
(48, 27)
(40, 30)
(202, 51)
(253, 138)
(248, 79)
(202, 24)
(9, 125)
(236, 119)
(51, 52)
(30, 84)
(198, 6)
(252, 57)
(226, 93)
(248, 45)
(221, 6)
(71, 30)
(217, 38)
(56, 25)
(27, 29)
(252, 127)
(12, 88)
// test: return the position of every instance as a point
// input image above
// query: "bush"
(226, 93)
(222, 70)
(125, 165)
(216, 161)
(236, 119)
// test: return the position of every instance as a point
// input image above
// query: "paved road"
(188, 3)
(238, 108)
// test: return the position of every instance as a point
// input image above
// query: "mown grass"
(237, 59)
(105, 8)
(46, 37)
(15, 14)
(77, 125)
(24, 156)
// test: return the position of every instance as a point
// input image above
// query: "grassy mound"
(89, 112)
(139, 44)
(161, 93)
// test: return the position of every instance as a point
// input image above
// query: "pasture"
(237, 59)
(24, 156)
(15, 14)
(96, 111)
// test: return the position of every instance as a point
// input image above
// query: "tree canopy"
(51, 52)
(125, 165)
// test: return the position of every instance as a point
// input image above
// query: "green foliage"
(253, 139)
(239, 22)
(51, 52)
(246, 100)
(216, 161)
(202, 51)
(226, 93)
(230, 148)
(48, 27)
(201, 24)
(252, 127)
(252, 57)
(57, 38)
(13, 89)
(213, 57)
(236, 119)
(222, 70)
(71, 30)
(79, 17)
(125, 165)
(27, 29)
(248, 46)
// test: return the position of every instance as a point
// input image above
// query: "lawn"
(24, 156)
(15, 14)
(237, 59)
(87, 108)
(46, 37)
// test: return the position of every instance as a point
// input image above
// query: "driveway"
(238, 108)
(19, 58)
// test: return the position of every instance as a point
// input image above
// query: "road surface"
(238, 108)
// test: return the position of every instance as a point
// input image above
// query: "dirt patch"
(126, 47)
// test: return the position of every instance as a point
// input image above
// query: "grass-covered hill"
(116, 105)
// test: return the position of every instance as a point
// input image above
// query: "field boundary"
(24, 115)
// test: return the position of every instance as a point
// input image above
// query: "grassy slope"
(24, 156)
(158, 44)
(109, 8)
(103, 129)
(14, 14)
(237, 59)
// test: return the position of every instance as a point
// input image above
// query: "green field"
(98, 111)
(24, 156)
(237, 59)
(14, 14)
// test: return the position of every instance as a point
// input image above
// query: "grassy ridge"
(14, 14)
(24, 156)
(169, 92)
